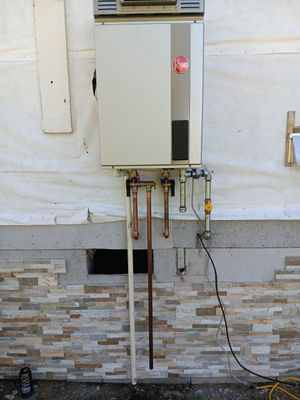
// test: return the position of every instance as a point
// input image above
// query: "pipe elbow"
(207, 174)
(206, 235)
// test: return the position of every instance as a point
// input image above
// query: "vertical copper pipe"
(166, 212)
(135, 216)
(150, 269)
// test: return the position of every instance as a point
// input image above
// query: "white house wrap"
(252, 78)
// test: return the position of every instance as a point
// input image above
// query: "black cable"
(226, 325)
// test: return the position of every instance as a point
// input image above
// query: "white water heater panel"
(149, 87)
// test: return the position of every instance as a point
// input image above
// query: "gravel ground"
(51, 390)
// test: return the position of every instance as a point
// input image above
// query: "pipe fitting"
(182, 185)
(206, 235)
(207, 174)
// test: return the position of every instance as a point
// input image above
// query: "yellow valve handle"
(208, 206)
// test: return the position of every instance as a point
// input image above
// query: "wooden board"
(52, 65)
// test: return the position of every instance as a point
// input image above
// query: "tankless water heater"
(149, 83)
(149, 64)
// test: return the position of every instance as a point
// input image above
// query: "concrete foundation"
(244, 251)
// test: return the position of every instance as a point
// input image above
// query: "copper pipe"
(150, 269)
(135, 217)
(166, 212)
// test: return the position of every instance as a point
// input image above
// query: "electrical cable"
(277, 381)
(234, 377)
(217, 337)
(284, 381)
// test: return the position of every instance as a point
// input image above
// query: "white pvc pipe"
(131, 291)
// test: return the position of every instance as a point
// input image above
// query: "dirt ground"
(51, 390)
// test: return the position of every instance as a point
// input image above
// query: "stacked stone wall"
(82, 331)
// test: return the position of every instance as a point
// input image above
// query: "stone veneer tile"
(82, 331)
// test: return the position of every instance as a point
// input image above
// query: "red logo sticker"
(180, 64)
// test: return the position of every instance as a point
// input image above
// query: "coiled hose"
(278, 386)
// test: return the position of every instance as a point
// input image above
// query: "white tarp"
(252, 78)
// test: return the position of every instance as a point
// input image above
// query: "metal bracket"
(292, 141)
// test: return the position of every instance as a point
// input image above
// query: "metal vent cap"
(142, 7)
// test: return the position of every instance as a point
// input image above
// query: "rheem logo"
(180, 64)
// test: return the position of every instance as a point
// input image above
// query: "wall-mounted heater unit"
(149, 63)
